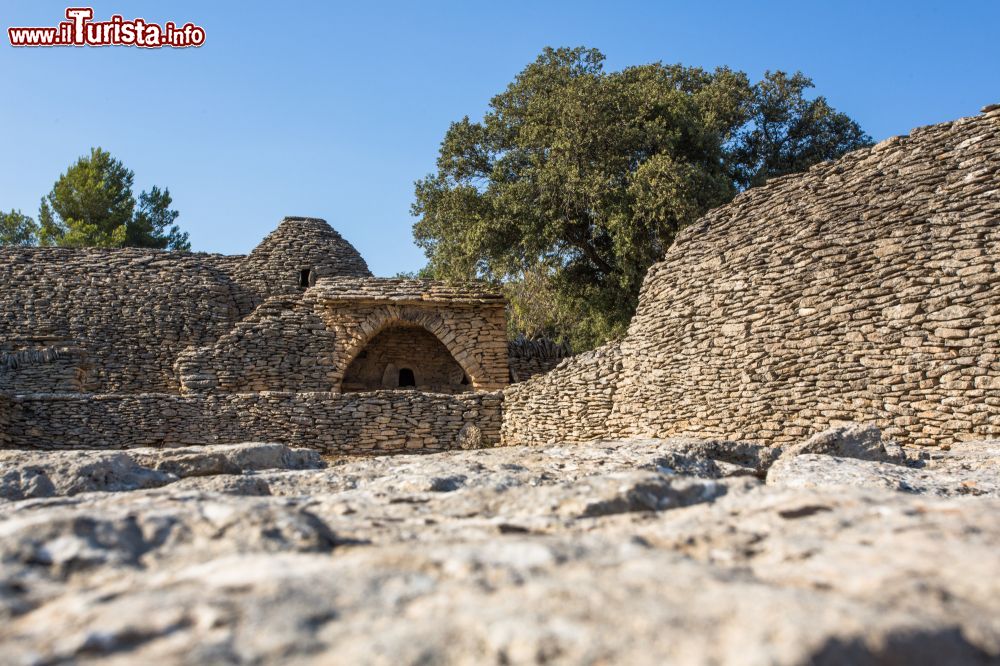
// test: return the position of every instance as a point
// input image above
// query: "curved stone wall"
(475, 340)
(571, 403)
(283, 346)
(399, 349)
(308, 342)
(865, 289)
(528, 358)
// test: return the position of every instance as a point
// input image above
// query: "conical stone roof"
(300, 249)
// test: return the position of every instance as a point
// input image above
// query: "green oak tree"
(93, 204)
(786, 132)
(577, 179)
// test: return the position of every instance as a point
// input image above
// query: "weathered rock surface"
(818, 471)
(561, 554)
(25, 474)
(969, 468)
(854, 440)
(233, 459)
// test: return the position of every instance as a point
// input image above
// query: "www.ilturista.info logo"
(80, 30)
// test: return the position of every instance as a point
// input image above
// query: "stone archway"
(353, 342)
(405, 355)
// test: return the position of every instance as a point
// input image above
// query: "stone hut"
(359, 334)
(294, 342)
(866, 289)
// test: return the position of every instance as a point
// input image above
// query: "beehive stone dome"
(862, 290)
(295, 255)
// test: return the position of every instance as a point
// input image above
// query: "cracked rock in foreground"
(645, 551)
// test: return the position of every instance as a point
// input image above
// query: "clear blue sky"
(333, 110)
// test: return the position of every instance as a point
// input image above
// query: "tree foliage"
(786, 132)
(93, 204)
(576, 180)
(153, 223)
(17, 229)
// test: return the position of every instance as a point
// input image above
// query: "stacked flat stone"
(133, 311)
(6, 410)
(307, 342)
(28, 363)
(530, 357)
(572, 403)
(405, 348)
(862, 290)
(15, 360)
(348, 423)
(130, 311)
(399, 290)
(275, 267)
(125, 348)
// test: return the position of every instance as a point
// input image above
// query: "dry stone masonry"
(571, 403)
(6, 409)
(370, 422)
(130, 312)
(308, 343)
(862, 290)
(125, 348)
(530, 357)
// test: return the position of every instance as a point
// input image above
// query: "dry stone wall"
(130, 311)
(307, 342)
(468, 319)
(32, 365)
(123, 348)
(528, 358)
(865, 289)
(572, 403)
(374, 422)
(127, 314)
(282, 346)
(301, 250)
(6, 409)
(400, 349)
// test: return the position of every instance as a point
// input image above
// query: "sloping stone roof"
(865, 289)
(399, 290)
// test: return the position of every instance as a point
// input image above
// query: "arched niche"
(406, 356)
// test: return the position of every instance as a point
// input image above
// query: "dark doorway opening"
(412, 349)
(304, 277)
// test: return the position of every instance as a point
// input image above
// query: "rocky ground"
(843, 549)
